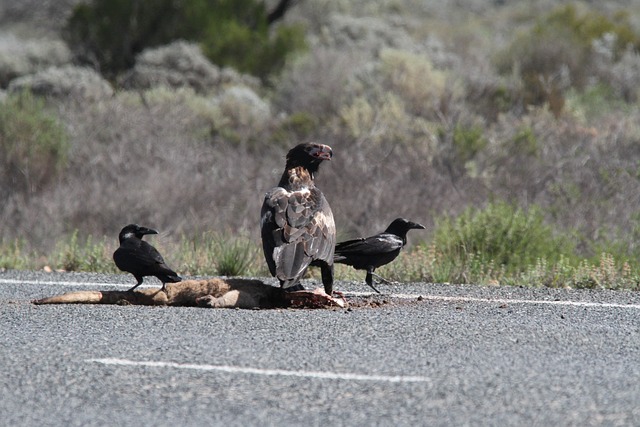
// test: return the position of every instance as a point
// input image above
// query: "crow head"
(134, 230)
(401, 226)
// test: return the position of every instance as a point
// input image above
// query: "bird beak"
(145, 230)
(417, 226)
(321, 151)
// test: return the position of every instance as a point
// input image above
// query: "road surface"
(436, 355)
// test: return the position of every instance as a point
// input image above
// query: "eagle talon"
(317, 298)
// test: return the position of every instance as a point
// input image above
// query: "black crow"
(372, 252)
(297, 225)
(139, 258)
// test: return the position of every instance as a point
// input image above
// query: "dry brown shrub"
(176, 65)
(315, 84)
(78, 83)
(409, 140)
(152, 164)
(585, 177)
(20, 56)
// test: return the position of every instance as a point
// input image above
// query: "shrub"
(468, 141)
(15, 255)
(109, 33)
(20, 56)
(212, 253)
(237, 35)
(623, 76)
(501, 234)
(415, 80)
(602, 273)
(34, 146)
(316, 83)
(296, 127)
(74, 254)
(67, 82)
(177, 65)
(234, 255)
(556, 53)
(460, 144)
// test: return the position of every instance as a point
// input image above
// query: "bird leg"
(327, 277)
(369, 279)
(382, 279)
(140, 279)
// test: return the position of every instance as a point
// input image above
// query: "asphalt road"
(461, 355)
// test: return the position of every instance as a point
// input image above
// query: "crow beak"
(322, 152)
(145, 230)
(417, 226)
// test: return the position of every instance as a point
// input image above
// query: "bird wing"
(379, 244)
(297, 228)
(138, 255)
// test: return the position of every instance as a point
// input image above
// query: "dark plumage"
(139, 258)
(297, 225)
(372, 252)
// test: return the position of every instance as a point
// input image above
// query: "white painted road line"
(61, 283)
(396, 296)
(503, 300)
(265, 372)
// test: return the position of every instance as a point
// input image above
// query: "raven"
(297, 225)
(139, 258)
(372, 252)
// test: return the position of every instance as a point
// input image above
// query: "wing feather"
(297, 229)
(374, 245)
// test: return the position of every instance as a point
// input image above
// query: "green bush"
(109, 33)
(34, 146)
(500, 234)
(233, 41)
(468, 141)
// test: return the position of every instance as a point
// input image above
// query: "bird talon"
(340, 295)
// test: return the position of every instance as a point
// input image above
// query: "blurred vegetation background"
(510, 129)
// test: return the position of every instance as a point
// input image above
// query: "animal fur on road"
(214, 293)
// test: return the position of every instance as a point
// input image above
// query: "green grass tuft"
(499, 234)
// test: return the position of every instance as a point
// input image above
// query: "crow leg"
(369, 280)
(139, 279)
(382, 279)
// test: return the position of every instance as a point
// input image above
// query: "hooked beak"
(321, 151)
